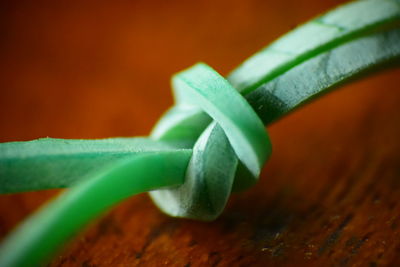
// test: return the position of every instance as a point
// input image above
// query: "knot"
(230, 144)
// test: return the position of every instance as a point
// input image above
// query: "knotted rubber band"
(236, 133)
(267, 78)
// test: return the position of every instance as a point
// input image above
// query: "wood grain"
(328, 196)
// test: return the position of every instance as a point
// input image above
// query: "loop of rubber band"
(236, 133)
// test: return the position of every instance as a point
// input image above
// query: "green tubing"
(210, 143)
(44, 232)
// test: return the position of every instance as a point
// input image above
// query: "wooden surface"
(329, 196)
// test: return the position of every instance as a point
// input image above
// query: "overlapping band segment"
(236, 133)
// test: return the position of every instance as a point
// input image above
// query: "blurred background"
(93, 69)
(97, 69)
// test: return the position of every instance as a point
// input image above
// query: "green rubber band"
(348, 46)
(212, 169)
